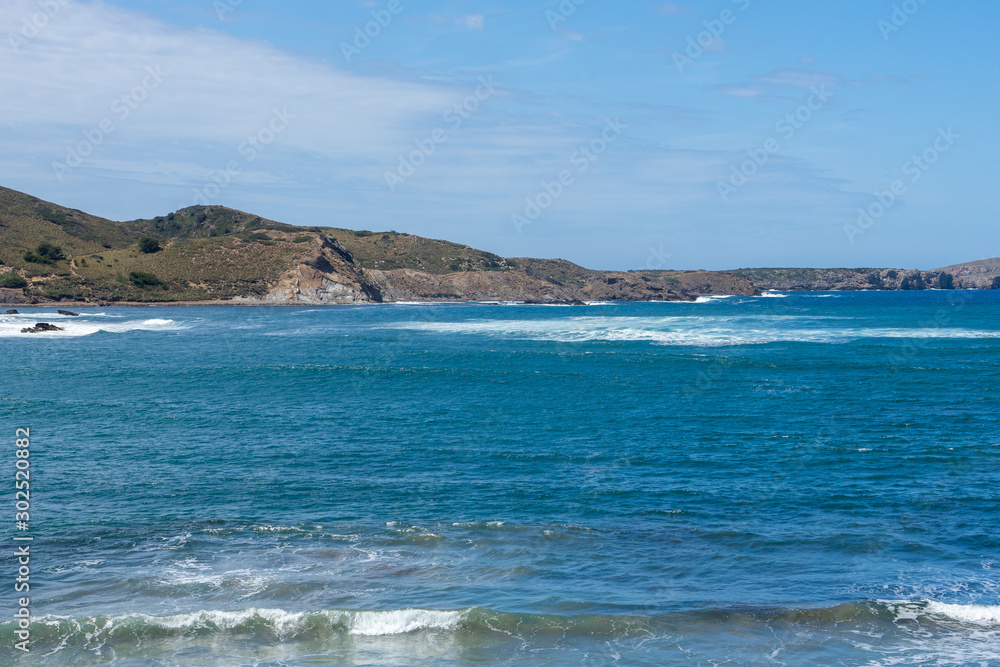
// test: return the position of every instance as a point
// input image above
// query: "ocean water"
(795, 479)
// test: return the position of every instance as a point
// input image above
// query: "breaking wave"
(84, 325)
(687, 331)
(277, 624)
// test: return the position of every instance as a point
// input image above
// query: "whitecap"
(74, 327)
(402, 621)
(973, 614)
(686, 331)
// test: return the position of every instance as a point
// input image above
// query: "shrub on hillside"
(149, 246)
(13, 281)
(52, 253)
(143, 279)
(45, 253)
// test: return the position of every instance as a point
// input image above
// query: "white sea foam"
(279, 621)
(402, 621)
(74, 327)
(987, 616)
(688, 331)
(973, 614)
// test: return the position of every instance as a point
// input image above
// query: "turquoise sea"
(795, 479)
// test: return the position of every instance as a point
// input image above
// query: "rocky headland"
(202, 254)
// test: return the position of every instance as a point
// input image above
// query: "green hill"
(52, 253)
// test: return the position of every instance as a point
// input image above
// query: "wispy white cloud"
(774, 83)
(215, 88)
(471, 21)
(670, 8)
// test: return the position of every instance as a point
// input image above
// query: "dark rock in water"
(67, 312)
(13, 312)
(41, 327)
(553, 302)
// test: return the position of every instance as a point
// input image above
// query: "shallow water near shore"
(810, 478)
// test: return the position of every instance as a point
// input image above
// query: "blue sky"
(715, 134)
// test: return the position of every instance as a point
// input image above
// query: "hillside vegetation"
(213, 253)
(52, 253)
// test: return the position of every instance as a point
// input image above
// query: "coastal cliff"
(49, 253)
(848, 279)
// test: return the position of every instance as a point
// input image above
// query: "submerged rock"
(41, 327)
(67, 312)
(13, 312)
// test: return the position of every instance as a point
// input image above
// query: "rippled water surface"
(795, 479)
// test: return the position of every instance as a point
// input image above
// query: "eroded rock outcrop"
(411, 285)
(11, 296)
(41, 327)
(630, 287)
(829, 280)
(326, 275)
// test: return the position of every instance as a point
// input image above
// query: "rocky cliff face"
(848, 279)
(982, 274)
(708, 283)
(630, 287)
(11, 296)
(411, 285)
(327, 274)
